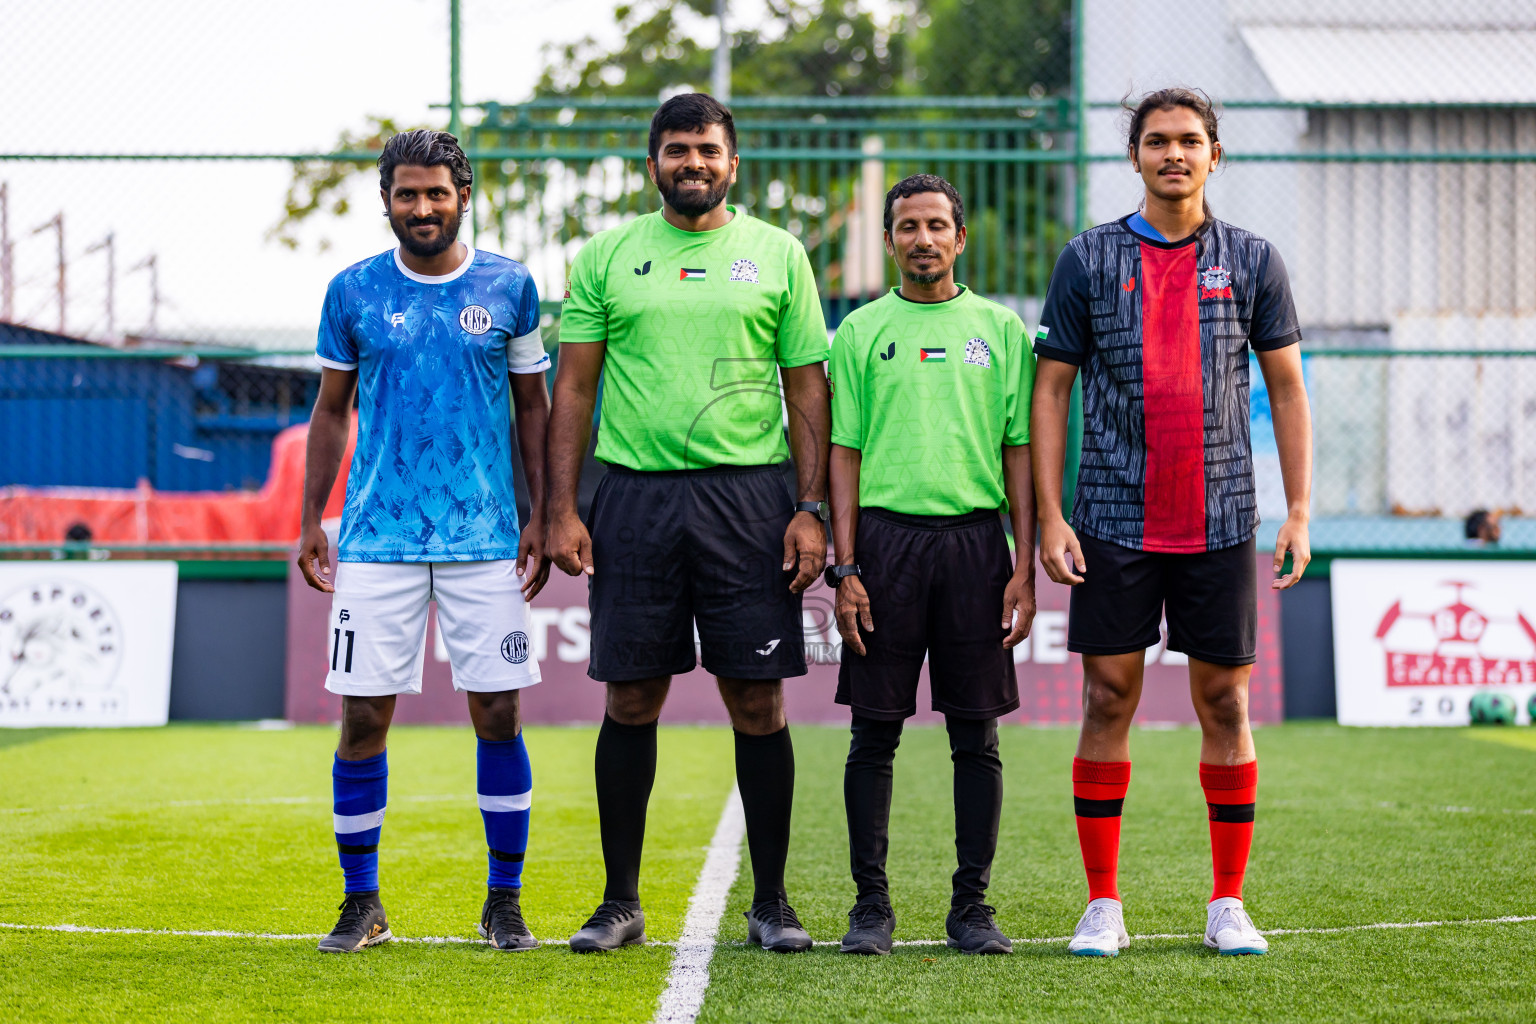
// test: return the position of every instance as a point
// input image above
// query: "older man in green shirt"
(931, 388)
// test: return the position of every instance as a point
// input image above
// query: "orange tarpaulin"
(41, 515)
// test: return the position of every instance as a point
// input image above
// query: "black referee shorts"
(1211, 597)
(706, 546)
(935, 587)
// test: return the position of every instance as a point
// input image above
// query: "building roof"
(1357, 64)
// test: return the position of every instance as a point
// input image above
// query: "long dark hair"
(1196, 100)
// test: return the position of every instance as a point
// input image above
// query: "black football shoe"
(613, 924)
(971, 930)
(869, 929)
(362, 924)
(501, 921)
(773, 925)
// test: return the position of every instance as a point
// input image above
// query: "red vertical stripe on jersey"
(1172, 401)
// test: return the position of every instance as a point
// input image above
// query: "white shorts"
(379, 626)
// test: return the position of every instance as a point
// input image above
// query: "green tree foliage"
(993, 48)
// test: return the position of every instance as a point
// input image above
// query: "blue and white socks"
(506, 793)
(360, 790)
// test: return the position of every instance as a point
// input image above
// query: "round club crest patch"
(977, 353)
(515, 647)
(1215, 278)
(744, 270)
(475, 319)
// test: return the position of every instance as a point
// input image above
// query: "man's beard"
(693, 204)
(931, 277)
(446, 235)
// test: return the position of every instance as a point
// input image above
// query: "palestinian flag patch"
(930, 355)
(1042, 334)
(690, 274)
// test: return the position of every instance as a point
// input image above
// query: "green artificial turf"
(228, 828)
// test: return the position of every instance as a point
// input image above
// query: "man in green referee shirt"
(931, 388)
(692, 317)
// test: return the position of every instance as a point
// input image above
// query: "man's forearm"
(570, 431)
(1292, 415)
(1048, 450)
(810, 427)
(844, 480)
(323, 448)
(1018, 486)
(531, 405)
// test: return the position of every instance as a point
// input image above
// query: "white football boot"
(1101, 930)
(1230, 931)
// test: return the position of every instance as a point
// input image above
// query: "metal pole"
(720, 77)
(57, 224)
(455, 97)
(7, 281)
(1080, 121)
(151, 264)
(109, 244)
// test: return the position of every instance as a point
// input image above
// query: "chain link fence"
(195, 208)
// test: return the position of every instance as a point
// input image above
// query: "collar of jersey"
(712, 233)
(930, 307)
(1197, 235)
(443, 279)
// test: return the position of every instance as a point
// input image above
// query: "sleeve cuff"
(332, 364)
(1017, 442)
(805, 359)
(1061, 355)
(1282, 341)
(538, 367)
(847, 441)
(526, 352)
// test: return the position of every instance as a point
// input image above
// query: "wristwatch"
(815, 508)
(836, 573)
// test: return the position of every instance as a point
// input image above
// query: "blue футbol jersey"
(431, 479)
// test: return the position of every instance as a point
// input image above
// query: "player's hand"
(315, 548)
(1018, 609)
(532, 564)
(805, 550)
(1295, 539)
(852, 611)
(1060, 553)
(568, 544)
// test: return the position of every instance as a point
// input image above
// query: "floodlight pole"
(7, 278)
(455, 96)
(151, 263)
(109, 245)
(57, 225)
(720, 74)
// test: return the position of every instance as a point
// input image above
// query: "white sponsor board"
(86, 643)
(1413, 641)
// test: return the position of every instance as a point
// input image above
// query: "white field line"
(75, 929)
(683, 997)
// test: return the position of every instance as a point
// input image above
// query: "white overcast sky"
(199, 76)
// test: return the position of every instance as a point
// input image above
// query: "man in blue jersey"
(431, 336)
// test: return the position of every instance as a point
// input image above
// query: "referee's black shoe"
(613, 924)
(501, 921)
(773, 925)
(362, 924)
(869, 929)
(971, 930)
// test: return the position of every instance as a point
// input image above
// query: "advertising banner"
(1050, 678)
(1413, 641)
(86, 643)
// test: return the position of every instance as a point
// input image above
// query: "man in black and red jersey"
(1158, 311)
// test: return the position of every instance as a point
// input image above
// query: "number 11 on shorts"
(336, 635)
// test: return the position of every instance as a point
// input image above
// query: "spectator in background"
(1482, 527)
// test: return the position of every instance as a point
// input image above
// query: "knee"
(756, 706)
(1224, 709)
(874, 741)
(1106, 700)
(364, 726)
(971, 736)
(497, 718)
(637, 703)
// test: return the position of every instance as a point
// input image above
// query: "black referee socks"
(626, 768)
(765, 774)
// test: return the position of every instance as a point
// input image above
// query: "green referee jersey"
(929, 393)
(697, 325)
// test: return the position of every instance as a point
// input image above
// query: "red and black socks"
(1098, 792)
(1230, 793)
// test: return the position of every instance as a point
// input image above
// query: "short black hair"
(691, 112)
(1475, 523)
(915, 183)
(423, 147)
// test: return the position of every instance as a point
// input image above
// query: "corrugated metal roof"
(1396, 65)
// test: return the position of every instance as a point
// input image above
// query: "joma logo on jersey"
(475, 319)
